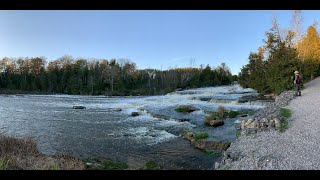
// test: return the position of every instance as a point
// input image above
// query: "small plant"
(285, 115)
(201, 136)
(3, 164)
(54, 167)
(151, 165)
(221, 112)
(238, 134)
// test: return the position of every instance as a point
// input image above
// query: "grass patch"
(151, 165)
(54, 167)
(214, 154)
(233, 114)
(22, 154)
(285, 115)
(100, 164)
(223, 113)
(238, 134)
(185, 109)
(201, 136)
(110, 165)
(3, 164)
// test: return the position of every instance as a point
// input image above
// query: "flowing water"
(101, 131)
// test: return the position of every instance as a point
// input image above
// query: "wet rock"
(115, 109)
(135, 114)
(78, 107)
(214, 122)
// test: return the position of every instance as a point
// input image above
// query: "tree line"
(271, 68)
(81, 76)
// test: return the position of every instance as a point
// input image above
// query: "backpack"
(298, 79)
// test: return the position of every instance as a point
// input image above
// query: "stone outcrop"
(207, 145)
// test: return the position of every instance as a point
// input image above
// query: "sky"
(150, 38)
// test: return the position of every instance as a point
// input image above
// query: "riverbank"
(294, 148)
(23, 154)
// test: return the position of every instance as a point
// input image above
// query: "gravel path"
(297, 148)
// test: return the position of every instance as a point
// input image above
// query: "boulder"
(252, 125)
(214, 122)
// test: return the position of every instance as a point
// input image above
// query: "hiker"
(297, 82)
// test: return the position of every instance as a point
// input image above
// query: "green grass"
(238, 134)
(214, 154)
(3, 164)
(285, 115)
(233, 114)
(184, 109)
(54, 167)
(201, 136)
(151, 165)
(98, 164)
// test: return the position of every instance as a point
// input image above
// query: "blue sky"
(151, 39)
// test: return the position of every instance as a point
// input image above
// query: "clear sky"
(151, 39)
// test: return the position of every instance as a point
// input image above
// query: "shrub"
(201, 136)
(221, 112)
(285, 115)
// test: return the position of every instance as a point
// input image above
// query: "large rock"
(214, 122)
(277, 123)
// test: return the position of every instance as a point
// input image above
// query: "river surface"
(101, 131)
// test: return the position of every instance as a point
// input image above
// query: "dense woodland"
(271, 68)
(67, 75)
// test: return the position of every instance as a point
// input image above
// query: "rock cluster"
(207, 145)
(268, 117)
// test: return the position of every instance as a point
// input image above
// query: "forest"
(285, 50)
(114, 77)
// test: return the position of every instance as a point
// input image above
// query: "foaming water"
(107, 129)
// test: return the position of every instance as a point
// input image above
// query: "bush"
(201, 136)
(221, 112)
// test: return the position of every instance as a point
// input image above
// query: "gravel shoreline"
(294, 149)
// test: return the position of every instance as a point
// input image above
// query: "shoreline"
(262, 123)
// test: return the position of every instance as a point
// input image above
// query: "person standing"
(297, 82)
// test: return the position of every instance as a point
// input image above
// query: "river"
(100, 131)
